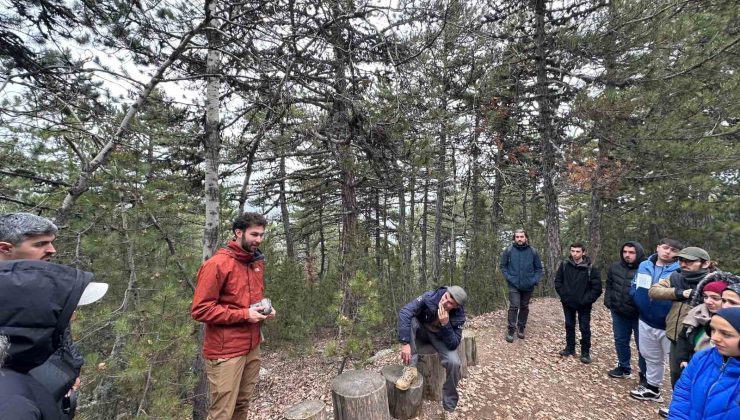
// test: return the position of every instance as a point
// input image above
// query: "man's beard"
(245, 245)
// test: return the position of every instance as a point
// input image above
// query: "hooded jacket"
(672, 289)
(652, 312)
(521, 266)
(709, 388)
(578, 285)
(424, 308)
(228, 282)
(618, 281)
(37, 299)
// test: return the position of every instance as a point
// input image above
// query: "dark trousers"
(623, 329)
(518, 308)
(673, 364)
(584, 324)
(449, 358)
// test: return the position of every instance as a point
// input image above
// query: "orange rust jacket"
(228, 283)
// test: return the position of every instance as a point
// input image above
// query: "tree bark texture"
(403, 404)
(359, 394)
(307, 410)
(471, 350)
(430, 367)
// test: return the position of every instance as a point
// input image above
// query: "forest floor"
(526, 379)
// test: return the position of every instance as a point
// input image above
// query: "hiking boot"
(407, 378)
(644, 393)
(566, 352)
(643, 379)
(510, 335)
(520, 333)
(585, 357)
(619, 372)
(663, 412)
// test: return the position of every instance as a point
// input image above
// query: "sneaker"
(663, 412)
(619, 372)
(566, 352)
(643, 393)
(585, 357)
(520, 333)
(510, 335)
(407, 378)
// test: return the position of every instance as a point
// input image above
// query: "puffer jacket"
(521, 266)
(228, 282)
(709, 388)
(424, 308)
(652, 312)
(578, 285)
(672, 289)
(618, 280)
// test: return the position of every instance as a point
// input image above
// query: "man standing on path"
(229, 284)
(624, 312)
(654, 345)
(436, 317)
(521, 266)
(578, 284)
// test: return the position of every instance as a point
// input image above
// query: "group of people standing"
(673, 302)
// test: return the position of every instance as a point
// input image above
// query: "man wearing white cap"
(25, 236)
(435, 317)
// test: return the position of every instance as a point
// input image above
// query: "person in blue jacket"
(436, 317)
(709, 387)
(521, 266)
(654, 345)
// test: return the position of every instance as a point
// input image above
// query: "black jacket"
(618, 279)
(24, 398)
(579, 285)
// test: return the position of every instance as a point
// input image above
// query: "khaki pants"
(230, 385)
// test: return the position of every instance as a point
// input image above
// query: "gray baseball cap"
(458, 293)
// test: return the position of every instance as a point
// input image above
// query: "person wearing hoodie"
(654, 346)
(578, 284)
(709, 387)
(694, 264)
(521, 266)
(229, 300)
(624, 312)
(37, 299)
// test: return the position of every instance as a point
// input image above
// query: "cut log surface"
(307, 410)
(471, 351)
(463, 358)
(359, 395)
(431, 369)
(403, 404)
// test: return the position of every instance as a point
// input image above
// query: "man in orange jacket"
(229, 284)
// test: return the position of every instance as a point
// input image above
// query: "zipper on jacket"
(721, 372)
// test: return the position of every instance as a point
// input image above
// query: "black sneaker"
(619, 372)
(510, 335)
(566, 352)
(585, 357)
(663, 412)
(520, 333)
(643, 393)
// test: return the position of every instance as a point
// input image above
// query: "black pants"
(584, 324)
(518, 308)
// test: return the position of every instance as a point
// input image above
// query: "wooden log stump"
(402, 404)
(307, 410)
(431, 369)
(463, 358)
(471, 351)
(359, 394)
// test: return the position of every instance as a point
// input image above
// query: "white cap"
(93, 293)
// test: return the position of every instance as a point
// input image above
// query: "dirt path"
(521, 380)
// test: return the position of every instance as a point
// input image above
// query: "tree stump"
(307, 410)
(471, 351)
(463, 358)
(359, 394)
(402, 404)
(432, 370)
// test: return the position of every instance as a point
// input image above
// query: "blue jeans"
(623, 329)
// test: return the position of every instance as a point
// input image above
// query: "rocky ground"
(526, 379)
